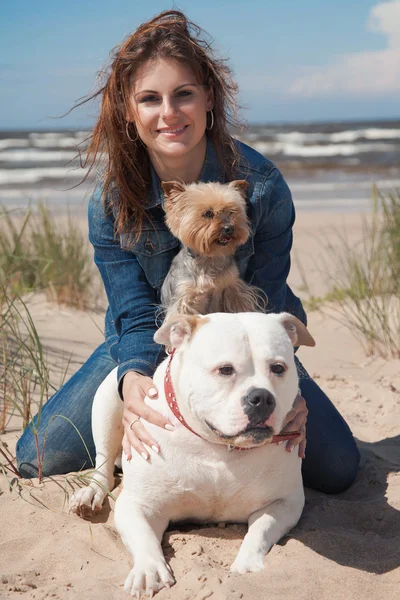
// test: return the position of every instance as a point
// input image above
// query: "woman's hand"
(134, 389)
(296, 421)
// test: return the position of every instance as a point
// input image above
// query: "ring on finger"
(131, 424)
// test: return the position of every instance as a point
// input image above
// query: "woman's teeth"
(171, 130)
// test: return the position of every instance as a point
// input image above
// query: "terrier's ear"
(172, 188)
(178, 329)
(296, 330)
(240, 185)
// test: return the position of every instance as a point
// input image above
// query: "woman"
(165, 110)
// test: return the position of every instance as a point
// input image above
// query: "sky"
(294, 60)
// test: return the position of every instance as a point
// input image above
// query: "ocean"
(328, 166)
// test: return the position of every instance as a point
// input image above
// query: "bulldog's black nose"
(228, 229)
(258, 404)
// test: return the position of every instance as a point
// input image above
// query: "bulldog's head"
(234, 375)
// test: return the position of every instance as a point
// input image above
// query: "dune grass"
(36, 254)
(25, 377)
(364, 282)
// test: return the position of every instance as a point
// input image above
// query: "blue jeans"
(331, 459)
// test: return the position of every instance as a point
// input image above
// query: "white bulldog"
(227, 388)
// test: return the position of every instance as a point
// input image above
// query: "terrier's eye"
(208, 214)
(278, 368)
(226, 370)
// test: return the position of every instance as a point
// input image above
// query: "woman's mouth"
(172, 131)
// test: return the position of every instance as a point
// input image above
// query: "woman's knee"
(57, 446)
(63, 441)
(333, 472)
(51, 463)
(332, 454)
(26, 454)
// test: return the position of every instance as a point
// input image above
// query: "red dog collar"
(173, 405)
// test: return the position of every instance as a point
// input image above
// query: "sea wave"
(14, 143)
(57, 140)
(34, 175)
(318, 150)
(351, 135)
(335, 186)
(34, 155)
(373, 133)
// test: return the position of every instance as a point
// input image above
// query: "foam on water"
(34, 155)
(335, 149)
(350, 135)
(21, 176)
(14, 143)
(315, 151)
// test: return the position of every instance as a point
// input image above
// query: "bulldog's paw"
(148, 576)
(249, 563)
(87, 502)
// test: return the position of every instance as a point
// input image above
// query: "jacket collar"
(211, 171)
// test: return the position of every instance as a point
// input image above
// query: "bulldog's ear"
(172, 188)
(178, 329)
(296, 330)
(240, 185)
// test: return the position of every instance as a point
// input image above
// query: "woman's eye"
(226, 370)
(278, 369)
(148, 99)
(208, 214)
(184, 93)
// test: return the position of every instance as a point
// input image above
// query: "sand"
(345, 546)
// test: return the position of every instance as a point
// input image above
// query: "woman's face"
(170, 109)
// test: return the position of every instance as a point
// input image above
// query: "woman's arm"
(131, 298)
(132, 303)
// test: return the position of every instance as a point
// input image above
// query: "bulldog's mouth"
(256, 435)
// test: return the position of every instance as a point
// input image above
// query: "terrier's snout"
(259, 404)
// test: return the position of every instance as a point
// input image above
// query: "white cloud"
(385, 18)
(374, 73)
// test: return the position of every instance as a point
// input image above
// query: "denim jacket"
(134, 272)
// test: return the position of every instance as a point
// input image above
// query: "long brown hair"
(170, 35)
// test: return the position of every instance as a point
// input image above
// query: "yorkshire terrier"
(210, 221)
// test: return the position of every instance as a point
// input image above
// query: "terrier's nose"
(228, 229)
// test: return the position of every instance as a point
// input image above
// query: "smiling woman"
(166, 107)
(162, 78)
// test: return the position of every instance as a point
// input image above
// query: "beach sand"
(344, 547)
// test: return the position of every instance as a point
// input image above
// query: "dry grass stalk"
(364, 281)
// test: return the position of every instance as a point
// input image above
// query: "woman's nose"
(168, 108)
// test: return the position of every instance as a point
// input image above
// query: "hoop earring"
(212, 121)
(127, 132)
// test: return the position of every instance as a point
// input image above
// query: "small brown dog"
(210, 221)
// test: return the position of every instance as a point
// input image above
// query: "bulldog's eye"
(209, 214)
(226, 370)
(278, 368)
